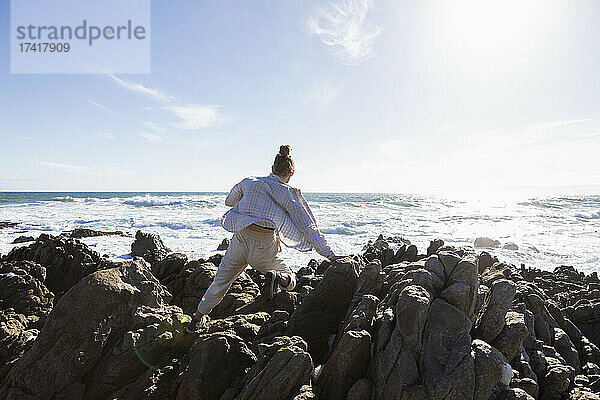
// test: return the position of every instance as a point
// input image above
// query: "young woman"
(265, 211)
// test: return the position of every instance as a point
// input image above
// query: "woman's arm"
(319, 243)
(234, 196)
(303, 220)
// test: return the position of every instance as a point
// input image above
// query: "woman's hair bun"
(285, 150)
(284, 163)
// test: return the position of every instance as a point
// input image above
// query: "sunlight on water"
(549, 231)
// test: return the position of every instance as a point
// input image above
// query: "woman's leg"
(263, 256)
(231, 266)
(288, 278)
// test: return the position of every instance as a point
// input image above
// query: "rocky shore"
(390, 323)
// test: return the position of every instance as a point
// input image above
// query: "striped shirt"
(270, 202)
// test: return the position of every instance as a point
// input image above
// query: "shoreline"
(106, 241)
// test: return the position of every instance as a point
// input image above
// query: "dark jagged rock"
(462, 283)
(319, 314)
(509, 393)
(486, 242)
(215, 259)
(79, 233)
(86, 348)
(361, 316)
(347, 364)
(395, 364)
(528, 385)
(370, 281)
(66, 260)
(15, 338)
(245, 326)
(555, 382)
(422, 343)
(23, 239)
(361, 390)
(565, 285)
(194, 277)
(582, 394)
(446, 360)
(434, 245)
(585, 314)
(6, 224)
(168, 269)
(282, 372)
(224, 245)
(188, 280)
(273, 327)
(305, 393)
(25, 302)
(398, 240)
(22, 289)
(489, 366)
(485, 260)
(381, 250)
(216, 361)
(284, 300)
(149, 246)
(512, 335)
(351, 350)
(154, 384)
(498, 301)
(393, 329)
(410, 254)
(305, 276)
(510, 246)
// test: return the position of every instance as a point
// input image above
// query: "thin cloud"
(96, 135)
(343, 26)
(30, 138)
(150, 137)
(322, 94)
(108, 136)
(153, 126)
(194, 116)
(534, 134)
(142, 90)
(98, 105)
(85, 170)
(191, 116)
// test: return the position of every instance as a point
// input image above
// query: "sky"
(372, 95)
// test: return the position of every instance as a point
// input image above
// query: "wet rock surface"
(149, 246)
(7, 224)
(386, 324)
(23, 239)
(85, 232)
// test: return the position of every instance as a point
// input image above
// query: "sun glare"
(476, 32)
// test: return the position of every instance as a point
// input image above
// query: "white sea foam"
(341, 230)
(65, 199)
(152, 202)
(212, 221)
(594, 215)
(564, 230)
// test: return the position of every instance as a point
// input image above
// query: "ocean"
(548, 231)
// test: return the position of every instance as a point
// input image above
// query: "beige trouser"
(248, 246)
